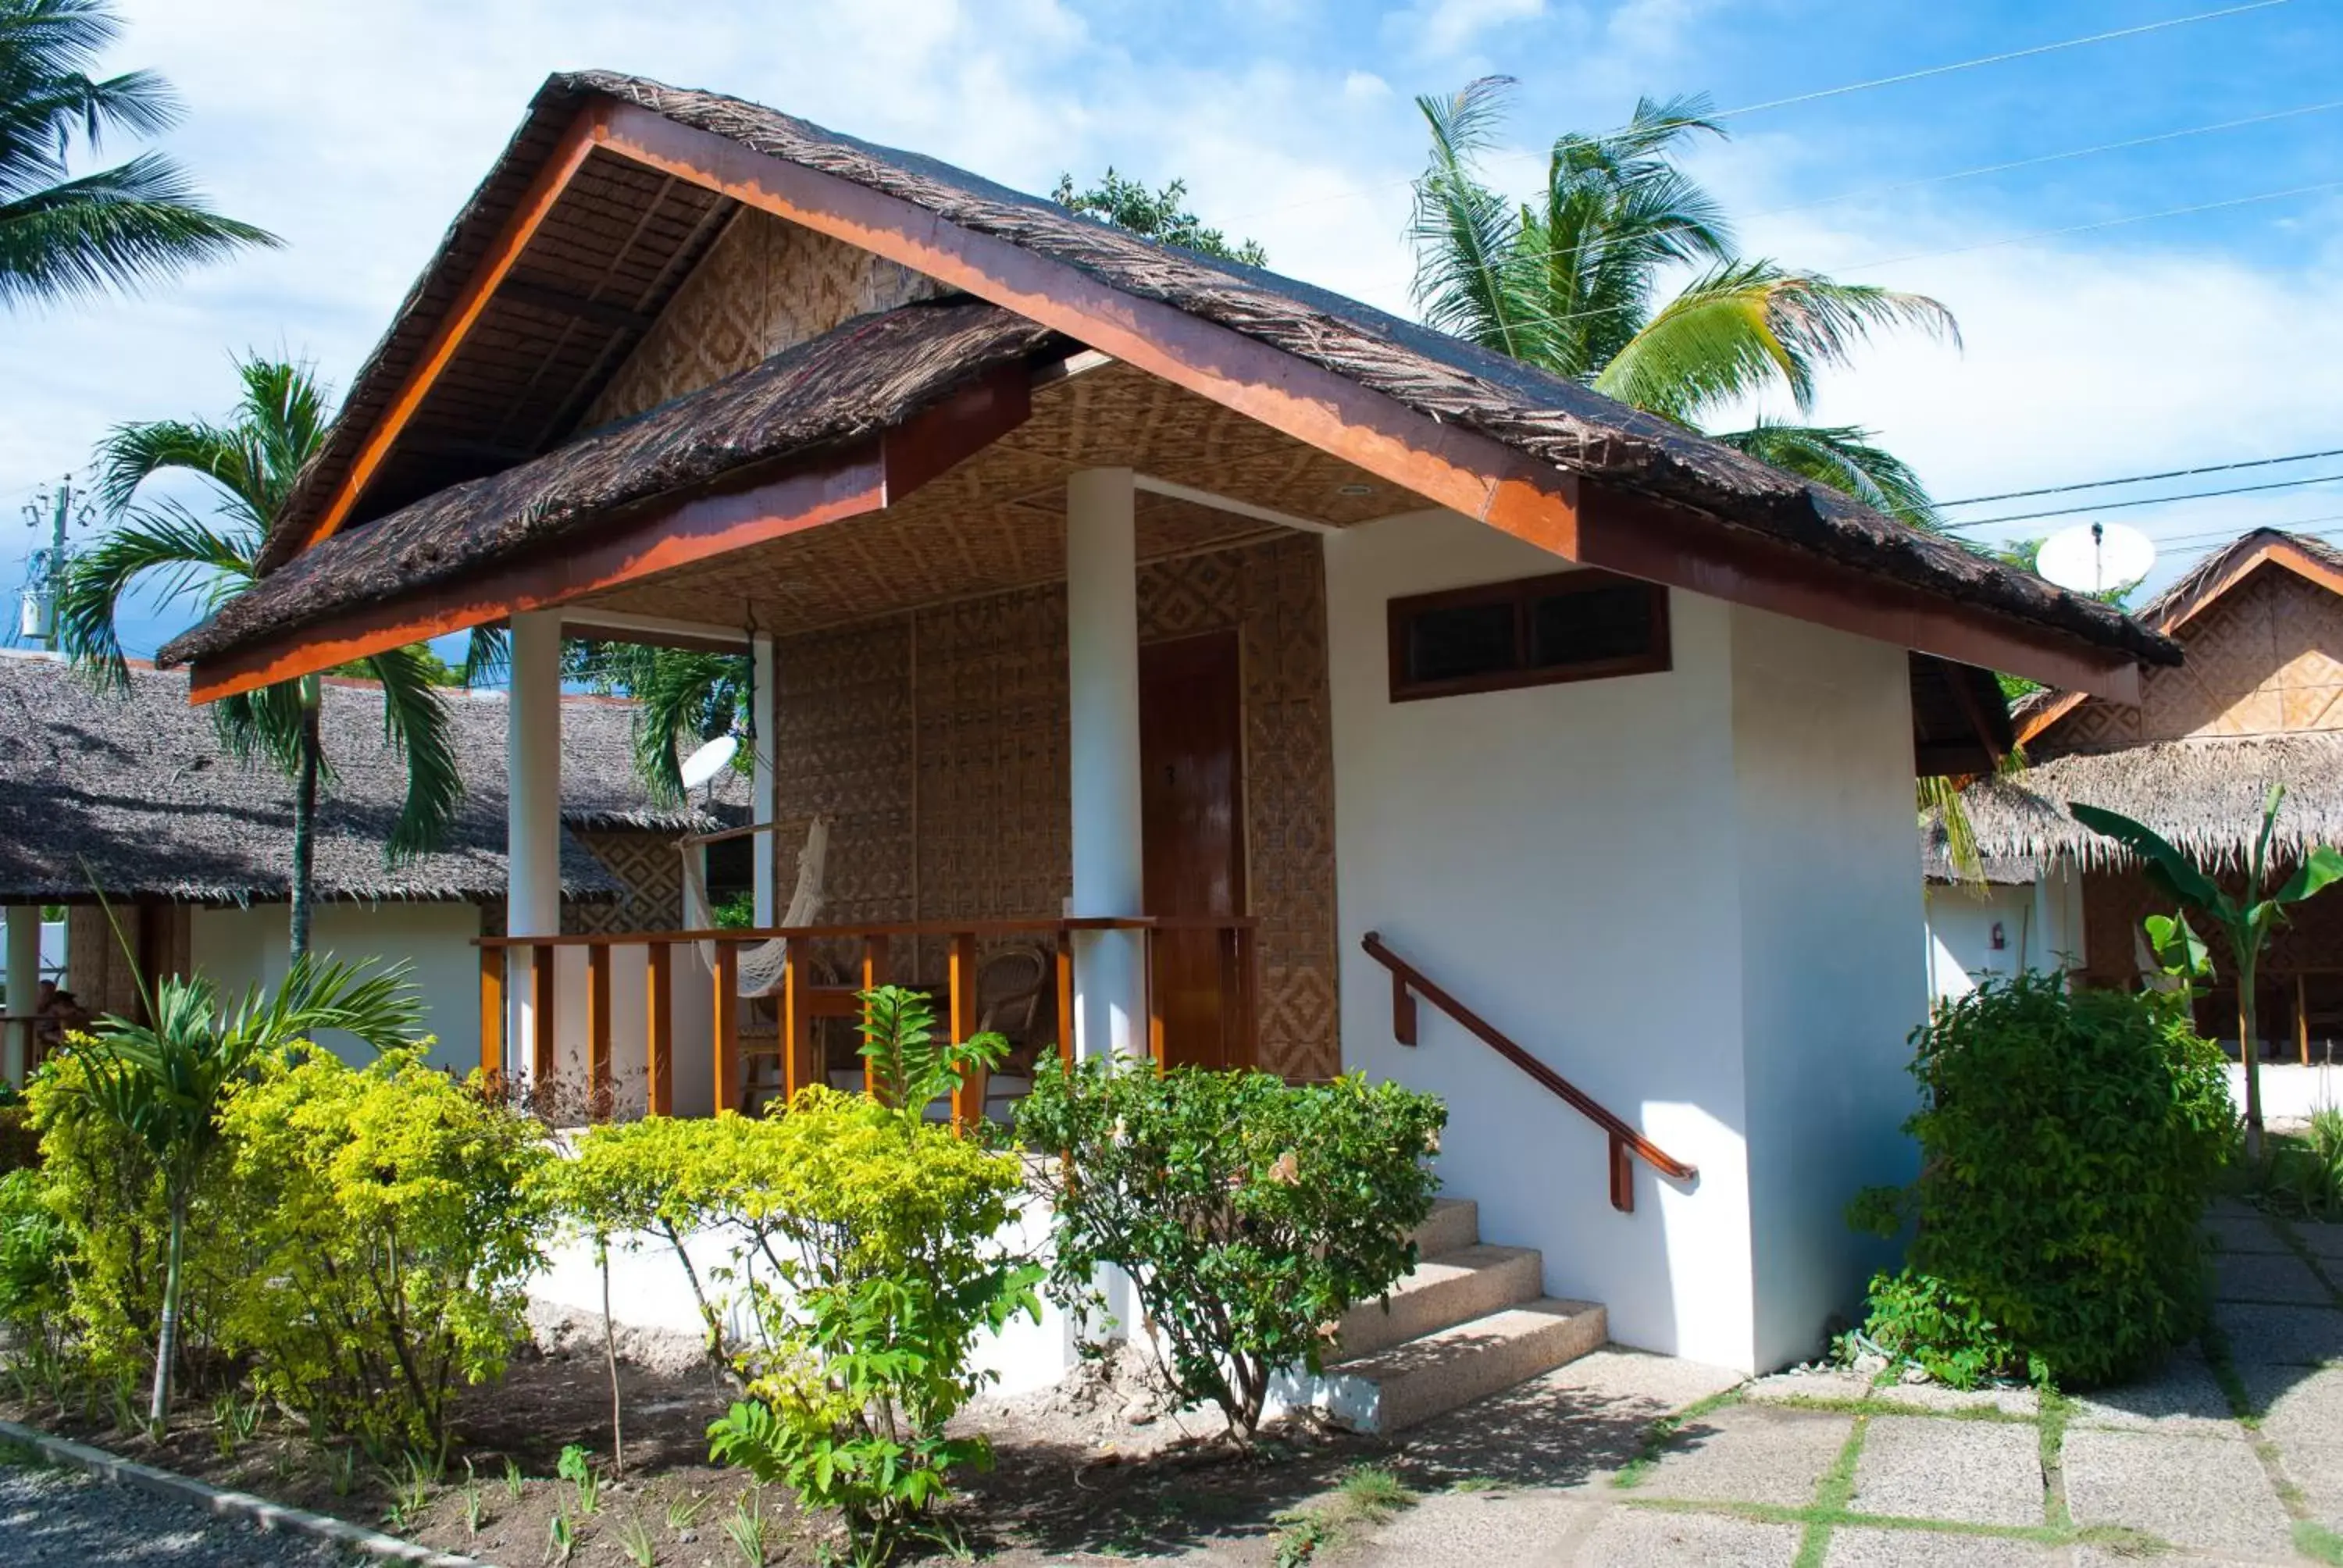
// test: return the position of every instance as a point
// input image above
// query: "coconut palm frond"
(114, 230)
(1468, 278)
(180, 558)
(681, 695)
(1940, 802)
(1842, 457)
(415, 722)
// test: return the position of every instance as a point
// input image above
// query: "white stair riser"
(1519, 1344)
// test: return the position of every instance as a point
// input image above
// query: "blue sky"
(356, 130)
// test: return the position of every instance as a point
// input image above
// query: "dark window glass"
(1590, 627)
(1461, 640)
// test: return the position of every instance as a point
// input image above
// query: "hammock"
(762, 965)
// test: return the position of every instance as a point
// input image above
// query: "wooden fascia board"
(1459, 469)
(1646, 538)
(536, 204)
(1462, 469)
(655, 537)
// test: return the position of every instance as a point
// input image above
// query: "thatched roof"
(1552, 420)
(2203, 794)
(872, 372)
(135, 792)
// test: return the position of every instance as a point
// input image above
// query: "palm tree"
(164, 1082)
(680, 695)
(251, 463)
(1571, 282)
(68, 236)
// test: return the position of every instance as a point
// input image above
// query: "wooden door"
(1191, 799)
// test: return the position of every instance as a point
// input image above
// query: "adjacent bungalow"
(132, 797)
(2259, 701)
(1306, 689)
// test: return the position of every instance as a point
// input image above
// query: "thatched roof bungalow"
(2258, 702)
(1227, 645)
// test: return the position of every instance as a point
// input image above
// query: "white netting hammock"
(760, 966)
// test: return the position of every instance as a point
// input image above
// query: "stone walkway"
(2232, 1454)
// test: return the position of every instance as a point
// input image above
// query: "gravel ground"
(63, 1516)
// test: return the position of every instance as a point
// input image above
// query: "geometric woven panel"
(2264, 658)
(652, 871)
(765, 286)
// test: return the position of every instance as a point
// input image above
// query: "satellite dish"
(709, 761)
(2096, 557)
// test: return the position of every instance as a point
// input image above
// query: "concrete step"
(1454, 1224)
(1433, 1375)
(1443, 1292)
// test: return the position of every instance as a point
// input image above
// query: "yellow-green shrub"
(396, 1216)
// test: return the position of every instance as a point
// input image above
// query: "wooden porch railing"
(1627, 1145)
(800, 1000)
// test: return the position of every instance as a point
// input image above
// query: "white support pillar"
(764, 787)
(532, 810)
(1103, 653)
(24, 988)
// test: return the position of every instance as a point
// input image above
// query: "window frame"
(1521, 594)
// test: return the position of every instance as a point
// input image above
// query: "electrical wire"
(2143, 478)
(2147, 501)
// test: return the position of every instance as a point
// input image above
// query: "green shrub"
(34, 1252)
(2068, 1142)
(2304, 1175)
(396, 1216)
(1920, 1319)
(879, 1233)
(1249, 1213)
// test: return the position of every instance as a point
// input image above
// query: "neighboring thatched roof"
(1553, 420)
(872, 372)
(2204, 794)
(135, 792)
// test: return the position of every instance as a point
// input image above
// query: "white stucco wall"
(2041, 928)
(1693, 893)
(1831, 981)
(237, 948)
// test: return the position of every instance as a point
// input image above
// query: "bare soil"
(1091, 1471)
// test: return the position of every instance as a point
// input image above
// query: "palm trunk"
(167, 1339)
(611, 1358)
(2250, 1053)
(305, 817)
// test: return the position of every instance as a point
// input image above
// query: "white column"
(763, 787)
(24, 987)
(1103, 653)
(532, 808)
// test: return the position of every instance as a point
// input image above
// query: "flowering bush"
(1249, 1213)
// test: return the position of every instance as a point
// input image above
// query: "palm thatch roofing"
(1552, 420)
(134, 794)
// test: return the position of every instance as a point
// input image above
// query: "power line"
(1839, 91)
(2143, 478)
(1998, 59)
(2147, 501)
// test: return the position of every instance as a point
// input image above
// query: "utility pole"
(46, 590)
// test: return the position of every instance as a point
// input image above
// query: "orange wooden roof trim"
(861, 479)
(2173, 617)
(539, 202)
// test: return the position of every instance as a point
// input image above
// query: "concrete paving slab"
(1974, 1471)
(2325, 1240)
(1656, 1538)
(1573, 1427)
(2181, 1397)
(2317, 1468)
(1942, 1401)
(1488, 1530)
(2188, 1491)
(1749, 1454)
(1784, 1385)
(1616, 1371)
(2279, 1277)
(2246, 1231)
(2297, 1404)
(1854, 1548)
(2301, 1336)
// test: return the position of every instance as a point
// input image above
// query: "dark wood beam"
(561, 302)
(773, 503)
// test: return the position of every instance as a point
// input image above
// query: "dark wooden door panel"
(1191, 799)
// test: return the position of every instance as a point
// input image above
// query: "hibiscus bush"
(1248, 1213)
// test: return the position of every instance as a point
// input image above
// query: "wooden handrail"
(1408, 982)
(994, 927)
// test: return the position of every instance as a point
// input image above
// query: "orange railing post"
(874, 975)
(1064, 965)
(968, 1094)
(540, 1023)
(492, 1018)
(598, 1092)
(796, 1040)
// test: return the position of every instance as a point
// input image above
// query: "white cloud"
(1444, 29)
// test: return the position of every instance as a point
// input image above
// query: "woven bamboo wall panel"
(766, 284)
(2263, 658)
(976, 691)
(2116, 903)
(652, 869)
